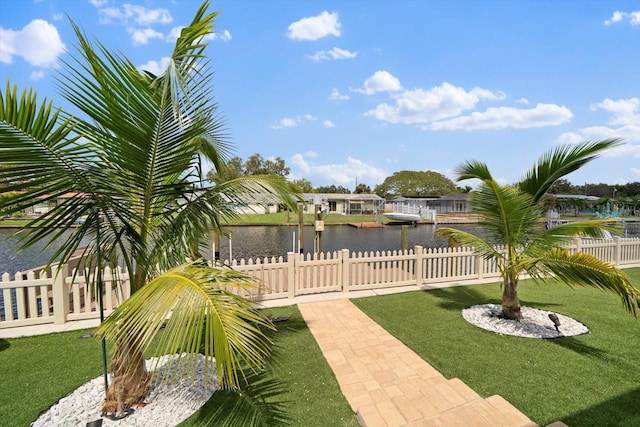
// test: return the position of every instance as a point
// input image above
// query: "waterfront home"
(451, 203)
(345, 204)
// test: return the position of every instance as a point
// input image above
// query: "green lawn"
(279, 218)
(297, 387)
(590, 380)
(290, 218)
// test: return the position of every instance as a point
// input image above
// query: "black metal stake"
(100, 303)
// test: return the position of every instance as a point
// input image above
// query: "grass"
(291, 218)
(37, 371)
(297, 382)
(590, 380)
(278, 218)
(297, 388)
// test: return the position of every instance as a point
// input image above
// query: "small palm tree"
(511, 217)
(133, 159)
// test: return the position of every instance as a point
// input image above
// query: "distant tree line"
(402, 183)
(611, 191)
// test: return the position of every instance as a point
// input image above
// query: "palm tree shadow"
(256, 405)
(457, 298)
(575, 345)
(260, 402)
(619, 411)
(4, 344)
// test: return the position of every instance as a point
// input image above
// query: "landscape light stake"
(100, 302)
(556, 321)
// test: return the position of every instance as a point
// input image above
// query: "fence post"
(617, 251)
(480, 267)
(418, 252)
(346, 267)
(6, 298)
(291, 274)
(60, 293)
(578, 241)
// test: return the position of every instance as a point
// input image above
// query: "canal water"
(258, 241)
(269, 241)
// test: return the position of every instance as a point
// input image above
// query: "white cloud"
(36, 75)
(38, 43)
(337, 96)
(630, 133)
(344, 174)
(142, 36)
(328, 124)
(507, 117)
(224, 35)
(421, 106)
(289, 122)
(618, 16)
(333, 54)
(636, 171)
(98, 3)
(623, 123)
(524, 101)
(174, 34)
(315, 27)
(625, 111)
(156, 67)
(380, 81)
(139, 14)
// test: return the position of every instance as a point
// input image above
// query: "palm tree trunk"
(129, 377)
(129, 380)
(510, 301)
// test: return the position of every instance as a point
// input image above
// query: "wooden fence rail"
(61, 295)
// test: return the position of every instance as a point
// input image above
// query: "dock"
(366, 224)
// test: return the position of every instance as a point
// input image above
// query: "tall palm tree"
(132, 156)
(511, 217)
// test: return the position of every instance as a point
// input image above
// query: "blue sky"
(353, 91)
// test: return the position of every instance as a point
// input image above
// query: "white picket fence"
(61, 295)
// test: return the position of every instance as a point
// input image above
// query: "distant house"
(255, 204)
(45, 206)
(345, 204)
(451, 203)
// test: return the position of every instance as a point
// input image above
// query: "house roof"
(576, 197)
(319, 198)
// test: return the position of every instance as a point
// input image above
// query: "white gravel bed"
(535, 323)
(168, 403)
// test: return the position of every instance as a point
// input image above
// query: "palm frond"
(473, 169)
(507, 214)
(584, 270)
(201, 314)
(484, 248)
(560, 162)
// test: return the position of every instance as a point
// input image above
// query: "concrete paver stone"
(389, 385)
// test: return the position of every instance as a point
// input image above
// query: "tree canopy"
(255, 165)
(510, 218)
(415, 183)
(131, 155)
(334, 189)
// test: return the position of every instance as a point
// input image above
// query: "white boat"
(410, 213)
(401, 216)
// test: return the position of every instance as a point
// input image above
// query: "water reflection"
(260, 241)
(250, 241)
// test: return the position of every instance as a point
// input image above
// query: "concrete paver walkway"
(389, 385)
